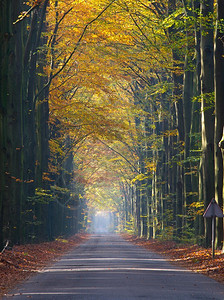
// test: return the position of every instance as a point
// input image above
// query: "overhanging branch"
(74, 50)
(112, 149)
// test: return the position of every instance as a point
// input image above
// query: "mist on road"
(102, 222)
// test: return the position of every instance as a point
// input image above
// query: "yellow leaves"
(151, 166)
(197, 204)
(169, 133)
(115, 159)
(140, 177)
(55, 147)
(90, 98)
(197, 207)
(24, 14)
(61, 240)
(33, 2)
(92, 47)
(174, 18)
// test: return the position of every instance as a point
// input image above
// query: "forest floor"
(20, 262)
(193, 257)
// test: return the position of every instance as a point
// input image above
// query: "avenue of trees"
(111, 106)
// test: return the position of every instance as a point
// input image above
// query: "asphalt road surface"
(107, 267)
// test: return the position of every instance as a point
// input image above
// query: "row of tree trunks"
(24, 130)
(187, 182)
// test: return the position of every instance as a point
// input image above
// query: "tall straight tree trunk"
(11, 121)
(195, 141)
(166, 224)
(177, 96)
(207, 112)
(219, 118)
(36, 122)
(41, 104)
(18, 54)
(187, 103)
(138, 213)
(148, 131)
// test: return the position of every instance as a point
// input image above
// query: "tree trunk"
(207, 112)
(219, 120)
(11, 118)
(178, 100)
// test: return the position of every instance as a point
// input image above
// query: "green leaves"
(175, 19)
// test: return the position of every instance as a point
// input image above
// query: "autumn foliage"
(110, 105)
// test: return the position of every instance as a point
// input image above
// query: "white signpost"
(213, 210)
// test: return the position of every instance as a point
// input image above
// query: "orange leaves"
(34, 2)
(192, 257)
(169, 133)
(17, 264)
(83, 96)
(24, 14)
(18, 180)
(46, 177)
(89, 45)
(92, 63)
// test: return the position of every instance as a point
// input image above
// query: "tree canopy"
(110, 105)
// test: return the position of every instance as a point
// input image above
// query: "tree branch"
(24, 14)
(75, 48)
(119, 155)
(6, 245)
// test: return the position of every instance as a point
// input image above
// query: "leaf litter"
(193, 257)
(20, 262)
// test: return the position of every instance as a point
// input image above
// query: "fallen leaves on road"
(193, 257)
(21, 261)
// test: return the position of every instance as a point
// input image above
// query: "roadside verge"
(20, 262)
(193, 257)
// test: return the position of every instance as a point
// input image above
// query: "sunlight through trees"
(111, 106)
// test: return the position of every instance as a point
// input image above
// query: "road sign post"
(213, 210)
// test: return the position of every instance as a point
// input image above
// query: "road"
(107, 267)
